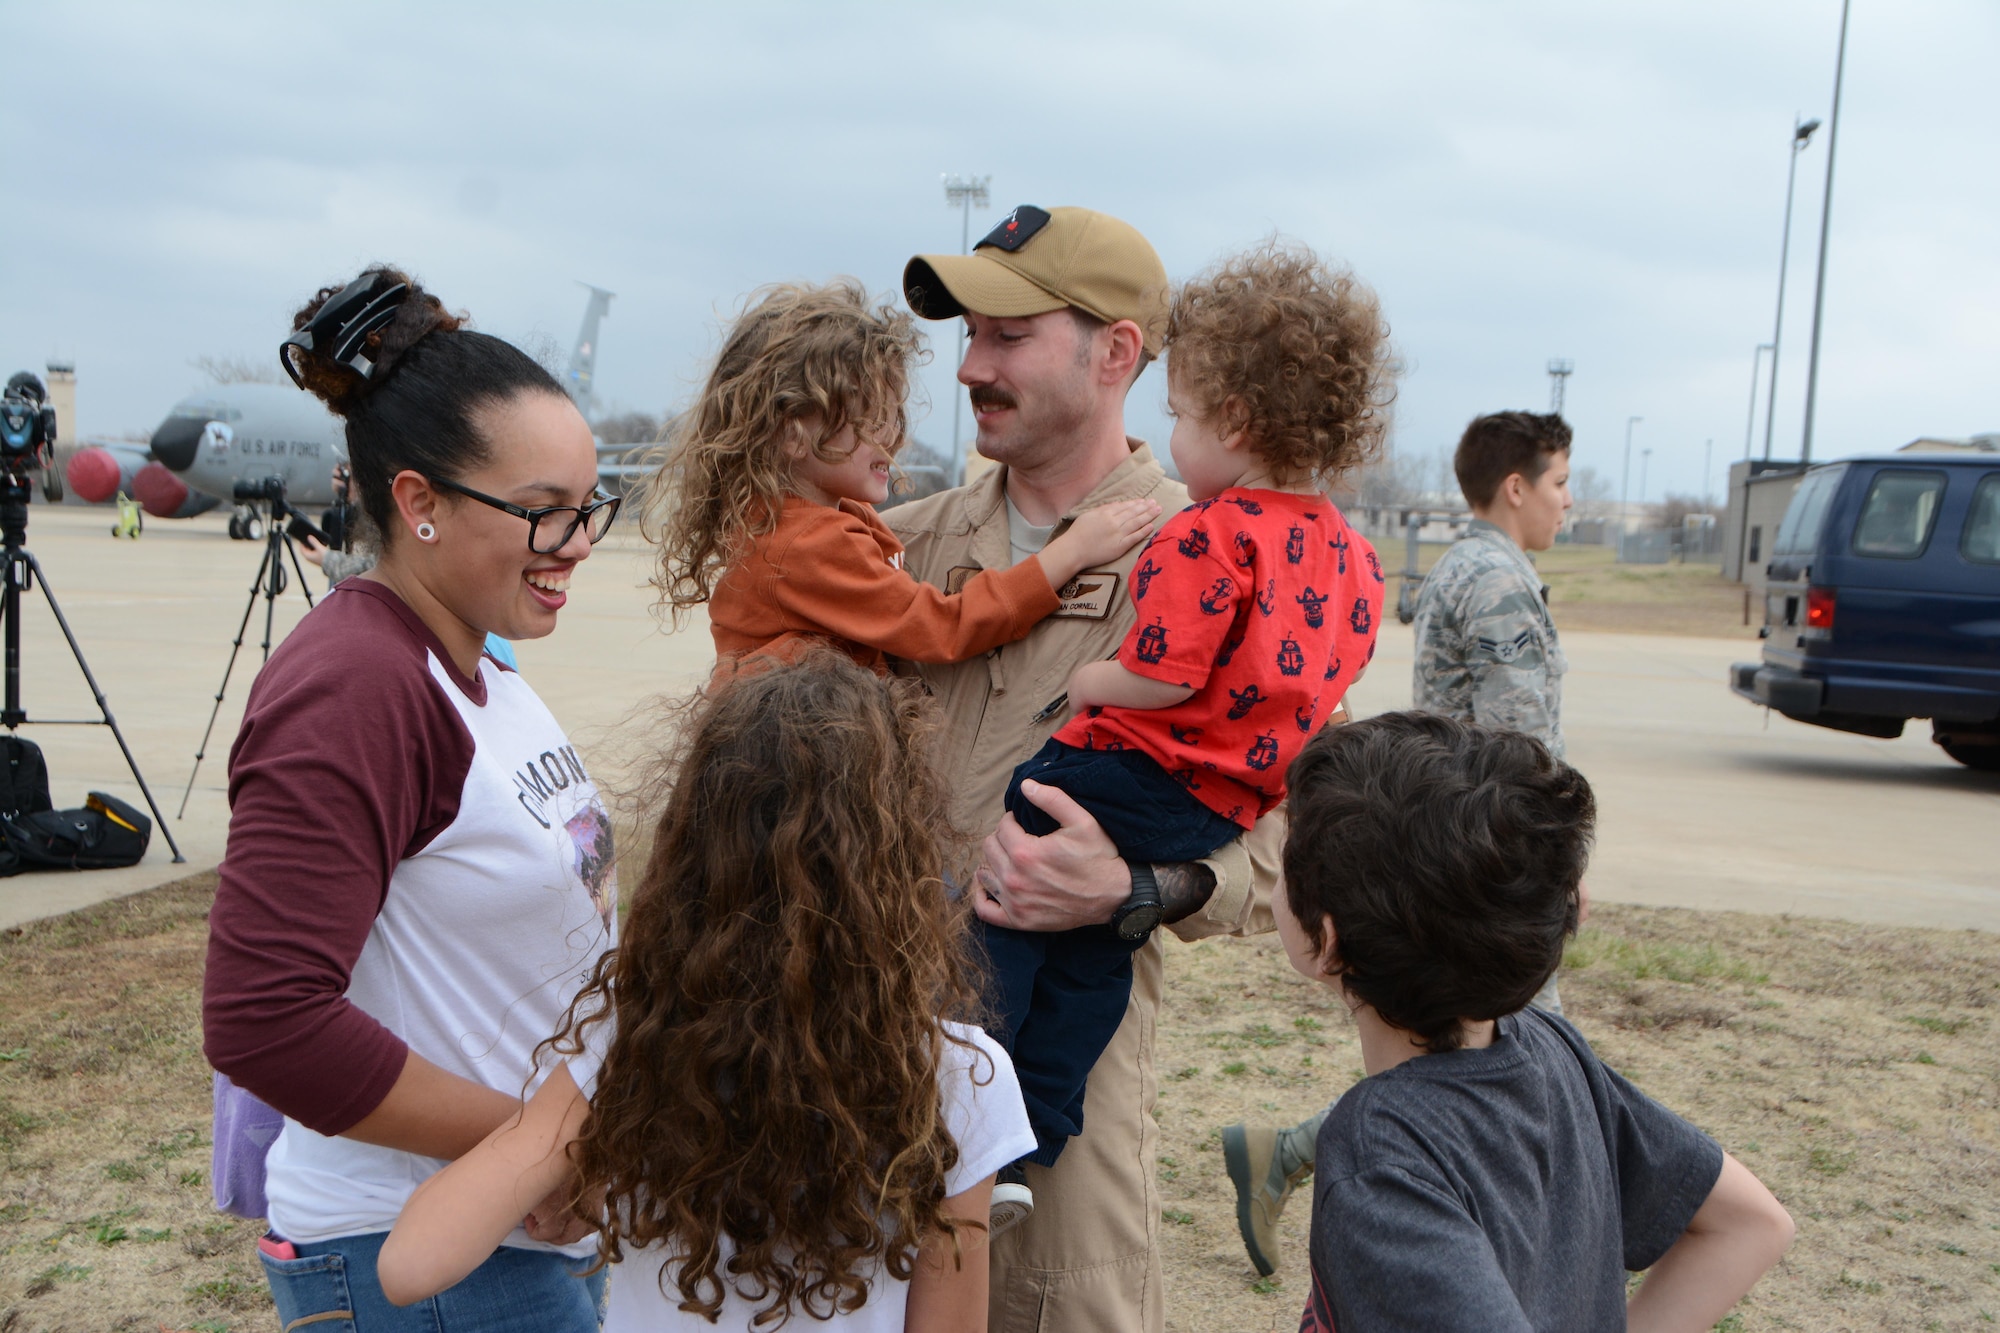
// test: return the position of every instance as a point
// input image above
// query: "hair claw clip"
(342, 326)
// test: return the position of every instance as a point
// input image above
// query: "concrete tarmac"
(1703, 802)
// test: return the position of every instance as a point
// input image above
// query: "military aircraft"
(214, 439)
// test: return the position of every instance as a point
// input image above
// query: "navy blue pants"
(1059, 996)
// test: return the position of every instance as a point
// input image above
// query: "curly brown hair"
(799, 356)
(777, 989)
(1302, 348)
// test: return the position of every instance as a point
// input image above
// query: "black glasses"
(595, 517)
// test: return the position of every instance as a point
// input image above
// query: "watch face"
(1138, 922)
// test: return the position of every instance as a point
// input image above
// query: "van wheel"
(1985, 758)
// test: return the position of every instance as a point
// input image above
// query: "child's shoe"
(1013, 1201)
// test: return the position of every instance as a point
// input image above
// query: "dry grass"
(1590, 590)
(1856, 1069)
(106, 1221)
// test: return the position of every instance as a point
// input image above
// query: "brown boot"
(1265, 1165)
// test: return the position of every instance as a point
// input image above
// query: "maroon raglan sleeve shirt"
(348, 760)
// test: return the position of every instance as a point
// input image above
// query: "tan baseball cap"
(1039, 260)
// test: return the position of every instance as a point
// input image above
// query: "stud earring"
(426, 533)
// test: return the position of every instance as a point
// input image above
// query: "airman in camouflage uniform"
(1487, 650)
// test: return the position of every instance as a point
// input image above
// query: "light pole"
(1802, 133)
(1625, 477)
(1560, 369)
(1707, 454)
(1750, 426)
(1645, 457)
(962, 193)
(1825, 218)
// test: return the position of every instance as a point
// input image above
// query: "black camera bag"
(106, 832)
(24, 778)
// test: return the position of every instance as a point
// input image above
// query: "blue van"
(1883, 602)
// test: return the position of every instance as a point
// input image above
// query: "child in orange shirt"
(767, 503)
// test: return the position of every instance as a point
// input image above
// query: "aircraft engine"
(97, 474)
(164, 495)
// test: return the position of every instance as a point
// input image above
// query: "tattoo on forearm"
(1185, 888)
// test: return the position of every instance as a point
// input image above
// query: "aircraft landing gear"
(246, 525)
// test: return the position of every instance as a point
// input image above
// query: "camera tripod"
(23, 572)
(270, 584)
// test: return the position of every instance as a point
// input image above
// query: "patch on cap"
(1016, 229)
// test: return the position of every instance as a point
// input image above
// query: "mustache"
(986, 395)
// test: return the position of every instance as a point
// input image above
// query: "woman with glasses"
(356, 555)
(419, 874)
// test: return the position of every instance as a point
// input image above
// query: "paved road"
(1703, 803)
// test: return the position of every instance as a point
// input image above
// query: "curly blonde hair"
(800, 356)
(772, 1073)
(1302, 347)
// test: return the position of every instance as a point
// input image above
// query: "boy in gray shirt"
(1489, 1173)
(1487, 652)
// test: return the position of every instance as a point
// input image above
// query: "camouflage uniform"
(1486, 647)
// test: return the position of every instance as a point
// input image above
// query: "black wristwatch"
(1138, 916)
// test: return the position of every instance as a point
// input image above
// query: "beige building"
(61, 381)
(1758, 495)
(1976, 444)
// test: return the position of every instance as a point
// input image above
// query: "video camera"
(271, 490)
(265, 488)
(27, 424)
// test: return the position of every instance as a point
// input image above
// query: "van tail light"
(1819, 613)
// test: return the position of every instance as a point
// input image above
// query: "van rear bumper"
(1781, 688)
(1871, 707)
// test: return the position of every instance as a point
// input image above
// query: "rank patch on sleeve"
(1016, 228)
(1507, 650)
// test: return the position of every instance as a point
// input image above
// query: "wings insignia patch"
(1089, 596)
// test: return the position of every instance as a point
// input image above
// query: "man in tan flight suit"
(1063, 309)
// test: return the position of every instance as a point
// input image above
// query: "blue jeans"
(1059, 996)
(1149, 815)
(515, 1291)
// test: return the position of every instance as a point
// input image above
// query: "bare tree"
(1676, 509)
(1591, 490)
(923, 471)
(1389, 482)
(1443, 481)
(629, 428)
(238, 370)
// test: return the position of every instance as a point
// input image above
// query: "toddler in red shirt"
(1257, 608)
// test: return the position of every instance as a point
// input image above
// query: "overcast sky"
(1517, 180)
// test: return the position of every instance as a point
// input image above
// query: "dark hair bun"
(344, 389)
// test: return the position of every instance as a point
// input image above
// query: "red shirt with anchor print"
(1266, 604)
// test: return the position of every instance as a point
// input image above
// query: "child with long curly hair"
(773, 1095)
(765, 501)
